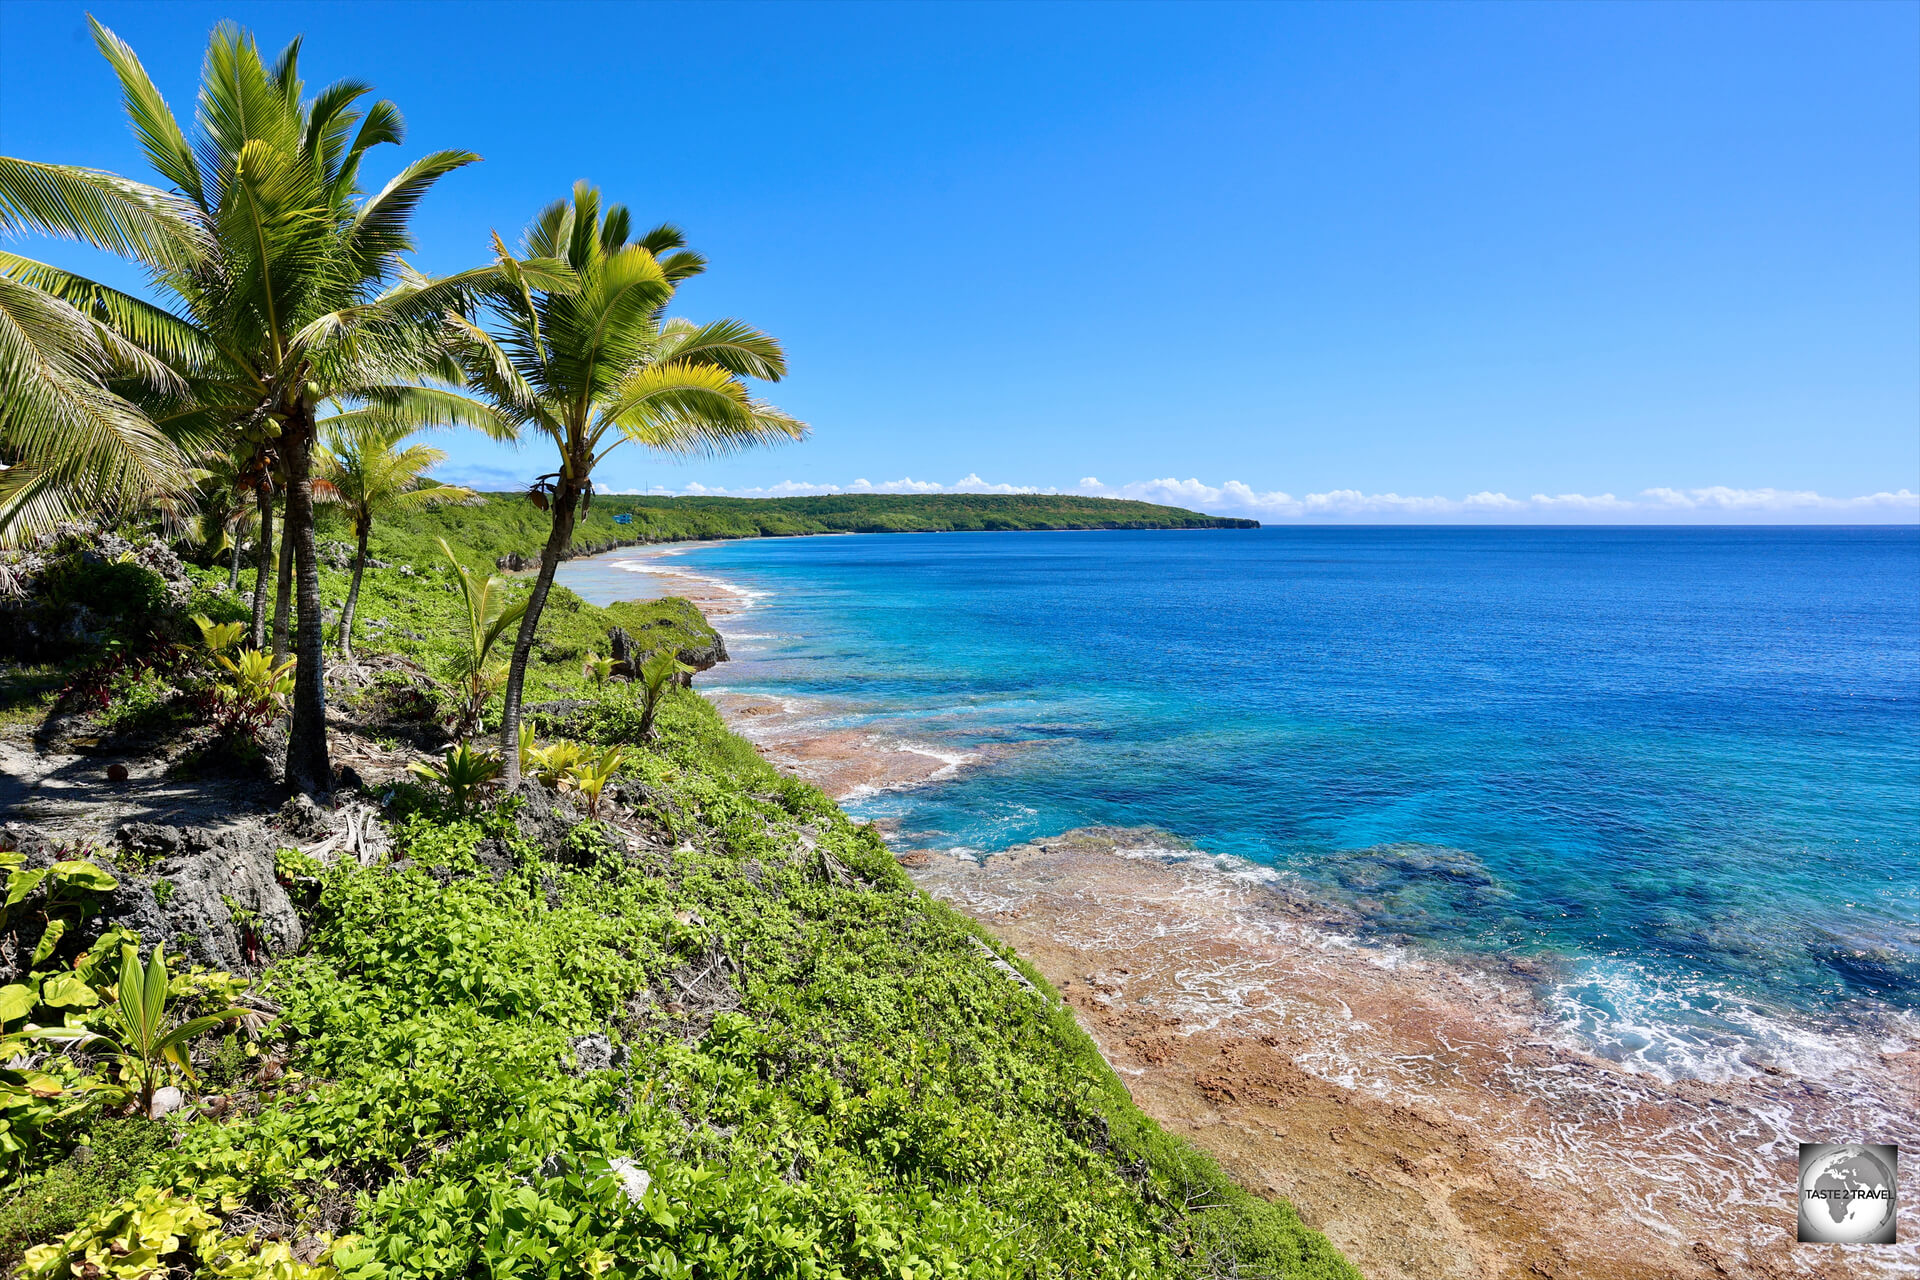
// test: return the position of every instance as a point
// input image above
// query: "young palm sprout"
(150, 1043)
(489, 614)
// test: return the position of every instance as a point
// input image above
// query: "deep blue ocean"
(1680, 769)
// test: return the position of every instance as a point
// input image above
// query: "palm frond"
(329, 119)
(682, 266)
(490, 368)
(285, 75)
(382, 124)
(431, 494)
(380, 229)
(240, 110)
(65, 437)
(102, 209)
(661, 238)
(586, 224)
(550, 232)
(688, 409)
(409, 409)
(727, 344)
(153, 120)
(149, 328)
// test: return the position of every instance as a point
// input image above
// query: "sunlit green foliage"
(489, 613)
(592, 773)
(658, 674)
(149, 1042)
(553, 765)
(818, 1073)
(156, 1233)
(371, 472)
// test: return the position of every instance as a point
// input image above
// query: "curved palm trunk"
(362, 527)
(264, 497)
(233, 568)
(282, 596)
(566, 498)
(307, 765)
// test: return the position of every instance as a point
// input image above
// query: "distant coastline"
(508, 530)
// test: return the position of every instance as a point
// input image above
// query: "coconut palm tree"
(595, 362)
(371, 476)
(284, 286)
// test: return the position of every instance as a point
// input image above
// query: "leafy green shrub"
(120, 589)
(219, 637)
(253, 695)
(143, 700)
(155, 1233)
(54, 898)
(109, 1160)
(299, 874)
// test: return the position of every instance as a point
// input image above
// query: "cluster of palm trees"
(292, 350)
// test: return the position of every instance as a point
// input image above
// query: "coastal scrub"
(716, 1032)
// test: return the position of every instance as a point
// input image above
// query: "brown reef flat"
(844, 763)
(1415, 1111)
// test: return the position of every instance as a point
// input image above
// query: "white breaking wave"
(746, 595)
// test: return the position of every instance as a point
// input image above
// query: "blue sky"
(1366, 262)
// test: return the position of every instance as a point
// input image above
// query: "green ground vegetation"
(422, 617)
(818, 1070)
(408, 609)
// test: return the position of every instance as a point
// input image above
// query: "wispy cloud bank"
(1718, 504)
(969, 483)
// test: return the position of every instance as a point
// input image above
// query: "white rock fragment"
(633, 1179)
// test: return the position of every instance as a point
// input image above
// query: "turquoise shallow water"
(1679, 768)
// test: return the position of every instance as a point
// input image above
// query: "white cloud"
(1652, 506)
(1709, 505)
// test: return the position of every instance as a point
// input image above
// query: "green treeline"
(508, 523)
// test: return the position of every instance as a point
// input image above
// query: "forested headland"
(498, 525)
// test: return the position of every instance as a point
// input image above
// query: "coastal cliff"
(698, 1022)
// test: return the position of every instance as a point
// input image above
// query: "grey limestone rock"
(542, 816)
(597, 1053)
(212, 894)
